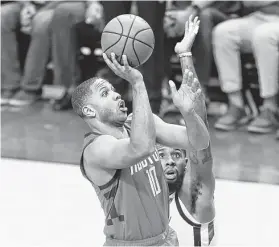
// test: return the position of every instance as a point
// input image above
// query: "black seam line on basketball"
(119, 37)
(127, 39)
(131, 37)
(134, 43)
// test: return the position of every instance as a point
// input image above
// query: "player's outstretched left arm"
(197, 191)
(194, 135)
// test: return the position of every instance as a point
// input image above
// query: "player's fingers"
(186, 27)
(172, 88)
(196, 27)
(195, 85)
(190, 78)
(185, 77)
(125, 62)
(115, 62)
(198, 94)
(190, 18)
(109, 63)
(196, 19)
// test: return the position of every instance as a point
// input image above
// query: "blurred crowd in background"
(238, 44)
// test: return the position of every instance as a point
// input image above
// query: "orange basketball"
(128, 35)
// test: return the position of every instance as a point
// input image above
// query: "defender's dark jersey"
(135, 200)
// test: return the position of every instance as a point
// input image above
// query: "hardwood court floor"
(52, 205)
(37, 133)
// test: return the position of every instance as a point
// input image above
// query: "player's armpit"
(112, 153)
(197, 193)
(205, 211)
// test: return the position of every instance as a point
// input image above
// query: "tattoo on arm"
(198, 159)
(196, 191)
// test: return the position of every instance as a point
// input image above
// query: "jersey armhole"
(182, 214)
(83, 171)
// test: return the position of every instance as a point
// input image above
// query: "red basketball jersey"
(135, 200)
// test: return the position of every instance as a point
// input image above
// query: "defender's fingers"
(198, 94)
(196, 19)
(186, 28)
(185, 76)
(191, 18)
(172, 88)
(195, 85)
(190, 78)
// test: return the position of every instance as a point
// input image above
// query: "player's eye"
(177, 155)
(161, 155)
(104, 93)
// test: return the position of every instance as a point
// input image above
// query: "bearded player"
(191, 186)
(120, 160)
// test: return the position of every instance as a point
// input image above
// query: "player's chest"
(147, 164)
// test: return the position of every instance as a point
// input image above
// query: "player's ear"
(88, 111)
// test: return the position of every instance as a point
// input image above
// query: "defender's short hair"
(81, 95)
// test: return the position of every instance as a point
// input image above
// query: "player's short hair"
(81, 95)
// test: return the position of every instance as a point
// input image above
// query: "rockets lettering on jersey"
(150, 160)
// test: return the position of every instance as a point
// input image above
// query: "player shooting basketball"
(192, 186)
(119, 156)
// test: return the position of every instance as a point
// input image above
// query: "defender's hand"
(191, 30)
(126, 72)
(188, 95)
(174, 21)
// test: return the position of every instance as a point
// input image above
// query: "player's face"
(108, 104)
(173, 163)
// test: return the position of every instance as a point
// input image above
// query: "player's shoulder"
(98, 147)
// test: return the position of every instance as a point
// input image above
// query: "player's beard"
(113, 117)
(173, 187)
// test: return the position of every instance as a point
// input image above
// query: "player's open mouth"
(122, 107)
(171, 174)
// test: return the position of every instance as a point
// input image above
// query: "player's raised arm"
(195, 136)
(198, 187)
(127, 152)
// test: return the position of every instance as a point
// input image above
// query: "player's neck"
(118, 131)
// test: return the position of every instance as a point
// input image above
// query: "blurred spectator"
(34, 18)
(153, 70)
(210, 14)
(65, 48)
(257, 32)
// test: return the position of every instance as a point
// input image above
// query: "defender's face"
(173, 163)
(108, 104)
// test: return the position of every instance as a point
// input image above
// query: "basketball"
(128, 35)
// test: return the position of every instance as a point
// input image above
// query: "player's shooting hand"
(189, 93)
(191, 30)
(94, 15)
(125, 72)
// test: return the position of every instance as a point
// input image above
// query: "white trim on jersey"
(203, 234)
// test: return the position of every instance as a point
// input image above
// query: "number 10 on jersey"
(153, 180)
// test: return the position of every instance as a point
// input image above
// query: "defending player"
(120, 160)
(192, 217)
(193, 188)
